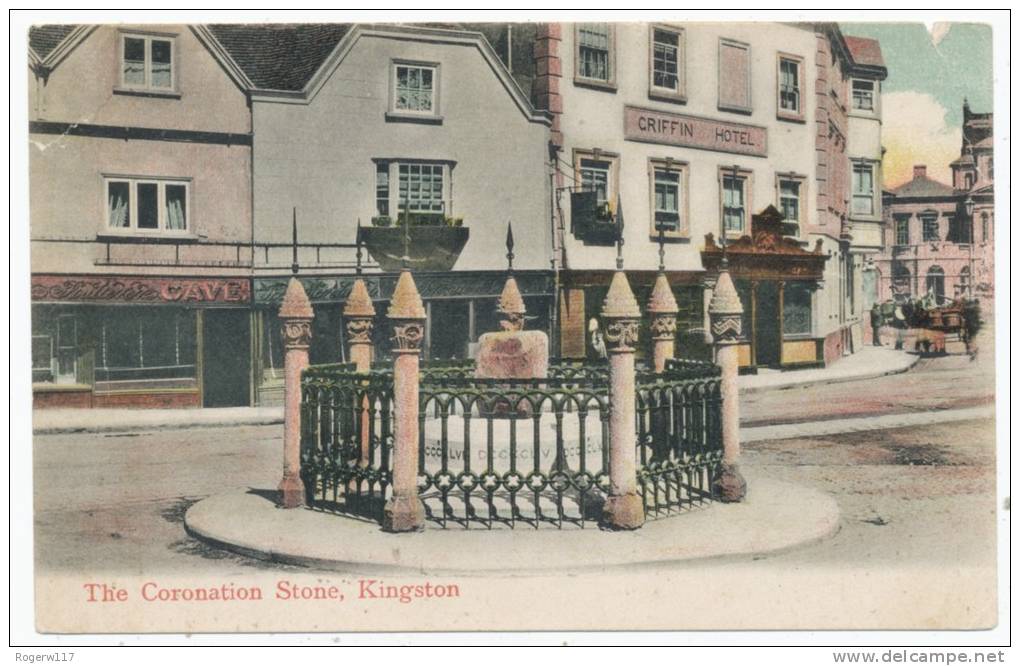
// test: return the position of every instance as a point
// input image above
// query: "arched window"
(963, 284)
(935, 282)
(900, 284)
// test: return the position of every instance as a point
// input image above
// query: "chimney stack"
(920, 171)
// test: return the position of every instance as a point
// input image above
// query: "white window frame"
(682, 171)
(161, 229)
(802, 184)
(608, 83)
(875, 190)
(789, 114)
(148, 38)
(393, 171)
(722, 106)
(679, 93)
(613, 178)
(897, 221)
(746, 177)
(432, 113)
(873, 111)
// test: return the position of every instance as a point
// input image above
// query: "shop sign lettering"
(66, 288)
(691, 131)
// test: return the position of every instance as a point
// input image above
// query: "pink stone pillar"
(662, 309)
(404, 511)
(725, 312)
(624, 508)
(360, 315)
(296, 314)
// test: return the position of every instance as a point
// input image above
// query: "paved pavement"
(774, 517)
(869, 363)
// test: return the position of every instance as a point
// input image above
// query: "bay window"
(147, 62)
(419, 187)
(863, 95)
(143, 204)
(863, 188)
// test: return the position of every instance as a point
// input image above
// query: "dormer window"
(147, 63)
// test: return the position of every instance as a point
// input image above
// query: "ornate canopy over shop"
(766, 254)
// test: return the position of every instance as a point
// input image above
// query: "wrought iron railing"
(679, 436)
(346, 439)
(509, 452)
(506, 452)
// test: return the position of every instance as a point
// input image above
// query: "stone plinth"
(512, 355)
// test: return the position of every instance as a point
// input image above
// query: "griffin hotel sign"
(694, 132)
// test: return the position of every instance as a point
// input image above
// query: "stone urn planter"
(429, 248)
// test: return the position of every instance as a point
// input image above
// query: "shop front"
(112, 341)
(460, 306)
(778, 281)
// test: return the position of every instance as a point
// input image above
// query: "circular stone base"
(775, 516)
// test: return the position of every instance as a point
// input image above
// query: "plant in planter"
(434, 240)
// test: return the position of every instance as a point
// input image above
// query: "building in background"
(707, 129)
(140, 218)
(939, 238)
(373, 124)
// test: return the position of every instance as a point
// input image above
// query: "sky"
(931, 69)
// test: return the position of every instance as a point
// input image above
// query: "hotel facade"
(181, 174)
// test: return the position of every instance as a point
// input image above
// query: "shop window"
(734, 200)
(415, 89)
(930, 228)
(863, 188)
(669, 198)
(147, 63)
(146, 205)
(863, 95)
(902, 231)
(796, 309)
(42, 358)
(743, 288)
(667, 66)
(593, 56)
(790, 80)
(146, 344)
(734, 76)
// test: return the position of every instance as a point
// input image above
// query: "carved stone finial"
(511, 307)
(360, 314)
(622, 315)
(725, 310)
(408, 315)
(663, 310)
(296, 314)
(295, 301)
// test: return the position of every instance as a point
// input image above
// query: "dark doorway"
(449, 331)
(226, 356)
(768, 337)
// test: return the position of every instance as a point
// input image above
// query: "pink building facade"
(939, 238)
